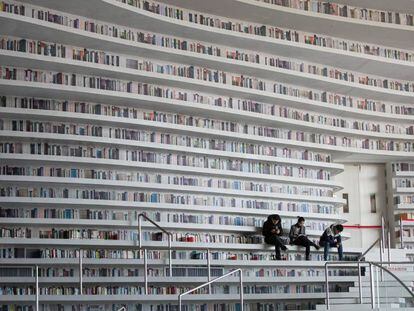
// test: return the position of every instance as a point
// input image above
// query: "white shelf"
(172, 298)
(404, 190)
(211, 111)
(344, 156)
(284, 264)
(140, 206)
(166, 168)
(400, 36)
(406, 223)
(405, 6)
(179, 279)
(403, 174)
(229, 65)
(154, 245)
(28, 157)
(130, 225)
(39, 30)
(19, 59)
(18, 136)
(404, 207)
(86, 182)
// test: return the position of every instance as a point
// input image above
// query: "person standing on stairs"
(297, 236)
(272, 232)
(331, 238)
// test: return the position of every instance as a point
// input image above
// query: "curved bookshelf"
(28, 27)
(42, 90)
(149, 206)
(343, 27)
(230, 65)
(146, 166)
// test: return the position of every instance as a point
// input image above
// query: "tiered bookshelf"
(401, 202)
(207, 124)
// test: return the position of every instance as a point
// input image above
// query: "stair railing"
(371, 265)
(169, 234)
(240, 271)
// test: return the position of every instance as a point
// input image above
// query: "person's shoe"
(308, 258)
(278, 258)
(284, 248)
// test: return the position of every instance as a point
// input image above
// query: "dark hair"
(339, 228)
(273, 217)
(300, 219)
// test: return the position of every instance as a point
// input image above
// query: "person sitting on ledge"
(297, 236)
(331, 238)
(272, 231)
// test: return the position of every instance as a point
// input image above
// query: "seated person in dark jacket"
(298, 236)
(272, 231)
(331, 238)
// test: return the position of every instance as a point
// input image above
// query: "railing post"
(327, 286)
(381, 258)
(371, 281)
(37, 287)
(145, 272)
(360, 283)
(139, 231)
(170, 254)
(179, 303)
(241, 290)
(80, 271)
(377, 281)
(389, 246)
(383, 231)
(401, 233)
(208, 270)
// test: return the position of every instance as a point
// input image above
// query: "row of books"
(187, 306)
(211, 143)
(403, 199)
(212, 219)
(403, 167)
(404, 182)
(165, 290)
(168, 198)
(238, 80)
(78, 150)
(219, 22)
(406, 232)
(188, 180)
(133, 113)
(344, 10)
(61, 78)
(133, 34)
(114, 254)
(152, 90)
(25, 233)
(53, 233)
(94, 56)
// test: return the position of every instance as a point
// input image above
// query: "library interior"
(206, 155)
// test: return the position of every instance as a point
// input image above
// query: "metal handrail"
(36, 268)
(180, 296)
(369, 248)
(143, 215)
(370, 264)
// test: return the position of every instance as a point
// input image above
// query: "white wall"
(360, 181)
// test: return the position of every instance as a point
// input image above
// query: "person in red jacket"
(272, 231)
